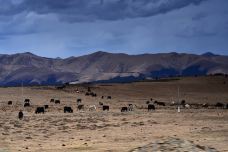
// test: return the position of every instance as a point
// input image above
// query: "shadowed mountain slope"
(32, 69)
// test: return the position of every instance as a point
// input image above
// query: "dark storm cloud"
(90, 10)
(7, 8)
(76, 27)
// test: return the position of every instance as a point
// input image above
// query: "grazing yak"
(151, 107)
(68, 109)
(102, 97)
(205, 105)
(10, 102)
(80, 107)
(27, 100)
(27, 104)
(39, 110)
(130, 107)
(219, 105)
(159, 103)
(124, 109)
(79, 101)
(57, 101)
(46, 106)
(52, 100)
(187, 106)
(127, 108)
(101, 103)
(147, 102)
(173, 103)
(90, 94)
(92, 108)
(183, 102)
(20, 115)
(105, 108)
(109, 97)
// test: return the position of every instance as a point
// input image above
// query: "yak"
(27, 104)
(151, 107)
(46, 106)
(124, 109)
(105, 107)
(68, 109)
(10, 102)
(39, 110)
(57, 101)
(159, 103)
(20, 115)
(80, 107)
(109, 97)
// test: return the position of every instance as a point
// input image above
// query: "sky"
(64, 28)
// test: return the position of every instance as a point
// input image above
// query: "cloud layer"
(76, 27)
(92, 10)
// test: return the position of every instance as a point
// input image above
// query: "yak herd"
(151, 105)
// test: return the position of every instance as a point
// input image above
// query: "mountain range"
(105, 67)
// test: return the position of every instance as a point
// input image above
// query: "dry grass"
(114, 131)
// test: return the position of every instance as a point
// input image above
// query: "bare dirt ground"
(112, 131)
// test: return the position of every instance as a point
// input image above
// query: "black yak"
(27, 104)
(105, 107)
(39, 110)
(57, 101)
(219, 105)
(151, 107)
(159, 103)
(80, 107)
(124, 109)
(109, 97)
(68, 109)
(10, 102)
(20, 115)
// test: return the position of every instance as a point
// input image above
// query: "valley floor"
(113, 131)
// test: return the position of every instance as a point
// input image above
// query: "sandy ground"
(114, 131)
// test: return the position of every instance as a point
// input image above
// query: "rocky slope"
(173, 145)
(32, 69)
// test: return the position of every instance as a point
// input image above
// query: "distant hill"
(103, 67)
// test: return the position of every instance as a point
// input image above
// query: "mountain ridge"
(32, 69)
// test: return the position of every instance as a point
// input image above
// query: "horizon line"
(114, 52)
